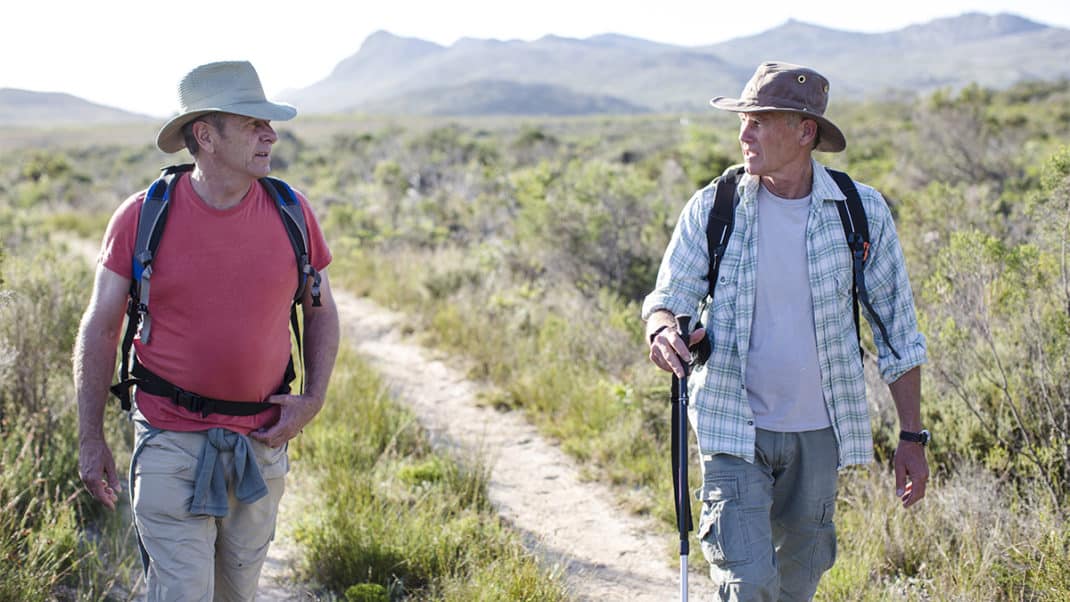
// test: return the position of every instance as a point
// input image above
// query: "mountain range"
(612, 73)
(30, 108)
(618, 74)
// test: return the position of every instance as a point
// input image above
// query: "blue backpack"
(150, 229)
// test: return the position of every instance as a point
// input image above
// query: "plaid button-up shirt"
(720, 412)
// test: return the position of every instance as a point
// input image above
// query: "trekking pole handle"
(683, 324)
(683, 327)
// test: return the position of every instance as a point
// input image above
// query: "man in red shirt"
(206, 485)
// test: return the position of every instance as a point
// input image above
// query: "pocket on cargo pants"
(824, 555)
(723, 538)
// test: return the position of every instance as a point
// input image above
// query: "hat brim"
(832, 139)
(169, 139)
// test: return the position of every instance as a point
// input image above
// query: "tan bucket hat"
(792, 88)
(228, 87)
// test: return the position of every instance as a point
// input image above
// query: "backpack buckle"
(859, 246)
(190, 401)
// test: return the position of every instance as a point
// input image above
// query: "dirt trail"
(604, 553)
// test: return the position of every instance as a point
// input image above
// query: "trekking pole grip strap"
(683, 325)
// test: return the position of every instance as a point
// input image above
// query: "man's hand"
(296, 412)
(96, 467)
(911, 472)
(669, 352)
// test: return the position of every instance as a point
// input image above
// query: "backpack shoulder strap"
(293, 218)
(150, 225)
(721, 219)
(856, 229)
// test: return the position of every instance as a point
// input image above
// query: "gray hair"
(216, 121)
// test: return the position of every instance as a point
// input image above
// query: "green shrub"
(367, 592)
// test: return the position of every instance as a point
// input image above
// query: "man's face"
(771, 140)
(244, 144)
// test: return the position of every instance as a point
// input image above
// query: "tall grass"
(392, 512)
(49, 551)
(972, 538)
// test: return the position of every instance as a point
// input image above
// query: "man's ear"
(204, 134)
(807, 132)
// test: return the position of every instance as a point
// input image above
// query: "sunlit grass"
(390, 510)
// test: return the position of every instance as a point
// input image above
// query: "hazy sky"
(131, 53)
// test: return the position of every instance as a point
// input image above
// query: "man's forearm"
(906, 392)
(93, 361)
(320, 348)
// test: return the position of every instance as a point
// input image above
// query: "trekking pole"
(679, 458)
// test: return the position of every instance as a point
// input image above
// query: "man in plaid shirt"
(780, 404)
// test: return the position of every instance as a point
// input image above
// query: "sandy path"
(606, 554)
(277, 578)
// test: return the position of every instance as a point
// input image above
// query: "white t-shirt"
(783, 374)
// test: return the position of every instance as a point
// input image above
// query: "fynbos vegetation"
(527, 246)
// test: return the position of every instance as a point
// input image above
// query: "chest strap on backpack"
(856, 229)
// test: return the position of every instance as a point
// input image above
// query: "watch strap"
(921, 437)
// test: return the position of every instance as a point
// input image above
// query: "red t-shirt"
(222, 283)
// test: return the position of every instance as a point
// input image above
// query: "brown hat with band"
(792, 88)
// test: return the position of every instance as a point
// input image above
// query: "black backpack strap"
(856, 229)
(718, 231)
(150, 224)
(150, 382)
(721, 219)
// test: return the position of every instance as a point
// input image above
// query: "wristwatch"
(922, 437)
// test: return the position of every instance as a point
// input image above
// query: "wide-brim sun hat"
(227, 87)
(779, 86)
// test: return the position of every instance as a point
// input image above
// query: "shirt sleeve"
(319, 252)
(890, 293)
(682, 277)
(117, 248)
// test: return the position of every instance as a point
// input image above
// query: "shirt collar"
(823, 189)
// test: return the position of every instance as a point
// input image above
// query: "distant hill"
(28, 108)
(994, 51)
(639, 73)
(619, 74)
(496, 97)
